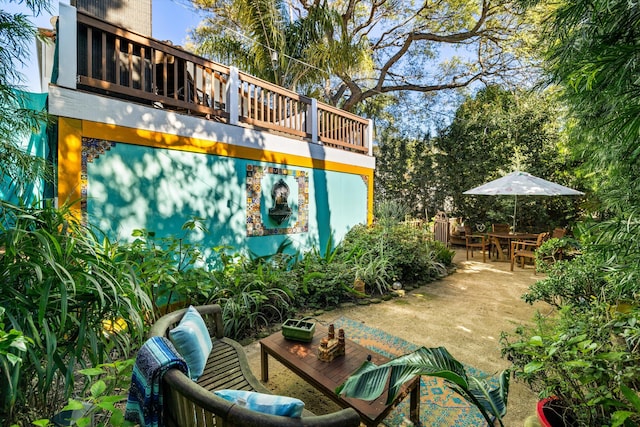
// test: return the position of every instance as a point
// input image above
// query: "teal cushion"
(265, 403)
(191, 338)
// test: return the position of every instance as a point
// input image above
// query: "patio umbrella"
(522, 184)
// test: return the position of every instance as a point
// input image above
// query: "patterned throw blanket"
(144, 404)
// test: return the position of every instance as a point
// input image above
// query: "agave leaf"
(493, 401)
(365, 383)
(370, 381)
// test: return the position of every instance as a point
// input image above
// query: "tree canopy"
(493, 132)
(351, 51)
(594, 57)
(498, 131)
(405, 173)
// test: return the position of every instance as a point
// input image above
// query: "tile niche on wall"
(277, 201)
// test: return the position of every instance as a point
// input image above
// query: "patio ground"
(464, 312)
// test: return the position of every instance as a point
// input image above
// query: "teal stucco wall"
(35, 143)
(131, 187)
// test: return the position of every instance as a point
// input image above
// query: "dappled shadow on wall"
(128, 187)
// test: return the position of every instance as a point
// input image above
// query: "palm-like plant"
(17, 119)
(246, 33)
(64, 289)
(263, 38)
(369, 381)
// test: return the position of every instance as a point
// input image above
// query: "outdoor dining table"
(508, 238)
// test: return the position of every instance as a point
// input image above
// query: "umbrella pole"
(515, 207)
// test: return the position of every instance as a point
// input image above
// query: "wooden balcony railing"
(341, 129)
(126, 65)
(267, 105)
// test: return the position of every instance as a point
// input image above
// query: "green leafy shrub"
(322, 279)
(442, 254)
(102, 398)
(61, 287)
(323, 284)
(253, 292)
(588, 353)
(373, 266)
(411, 255)
(13, 346)
(553, 250)
(390, 212)
(573, 283)
(171, 269)
(589, 359)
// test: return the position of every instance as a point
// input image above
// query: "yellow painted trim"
(70, 163)
(154, 139)
(370, 199)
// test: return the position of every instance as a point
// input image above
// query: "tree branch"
(359, 96)
(451, 38)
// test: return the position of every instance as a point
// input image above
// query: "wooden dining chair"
(558, 233)
(476, 242)
(525, 249)
(500, 228)
(500, 246)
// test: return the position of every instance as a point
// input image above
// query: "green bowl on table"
(298, 330)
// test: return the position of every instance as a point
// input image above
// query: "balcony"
(118, 63)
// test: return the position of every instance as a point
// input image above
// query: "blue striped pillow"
(191, 338)
(265, 403)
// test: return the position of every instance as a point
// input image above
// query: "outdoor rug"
(439, 405)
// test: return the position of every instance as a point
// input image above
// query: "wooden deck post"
(233, 96)
(67, 46)
(314, 121)
(369, 137)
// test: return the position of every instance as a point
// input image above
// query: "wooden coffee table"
(301, 358)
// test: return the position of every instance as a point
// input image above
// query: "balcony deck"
(118, 63)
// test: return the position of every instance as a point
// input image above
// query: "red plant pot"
(541, 412)
(552, 413)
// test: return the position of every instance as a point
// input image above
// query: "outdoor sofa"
(189, 403)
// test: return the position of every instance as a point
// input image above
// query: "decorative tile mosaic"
(92, 148)
(255, 223)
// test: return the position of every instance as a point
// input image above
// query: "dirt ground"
(464, 312)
